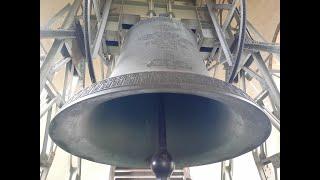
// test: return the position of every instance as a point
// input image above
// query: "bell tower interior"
(191, 84)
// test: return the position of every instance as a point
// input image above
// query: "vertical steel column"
(169, 8)
(66, 79)
(102, 69)
(96, 8)
(151, 12)
(45, 140)
(101, 29)
(244, 88)
(226, 169)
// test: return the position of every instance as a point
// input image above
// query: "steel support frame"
(57, 44)
(54, 94)
(48, 69)
(261, 66)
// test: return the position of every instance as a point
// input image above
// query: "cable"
(86, 14)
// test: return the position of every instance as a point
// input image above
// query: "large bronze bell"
(116, 121)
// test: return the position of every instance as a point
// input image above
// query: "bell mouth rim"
(117, 88)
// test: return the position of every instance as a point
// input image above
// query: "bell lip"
(170, 87)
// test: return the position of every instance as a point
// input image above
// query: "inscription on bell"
(166, 27)
(169, 62)
(166, 40)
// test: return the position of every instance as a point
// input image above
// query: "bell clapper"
(162, 164)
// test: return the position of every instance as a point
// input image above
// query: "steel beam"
(49, 106)
(274, 159)
(257, 160)
(246, 56)
(275, 75)
(261, 96)
(226, 24)
(213, 66)
(69, 85)
(273, 119)
(262, 46)
(222, 6)
(60, 99)
(230, 15)
(157, 4)
(226, 170)
(44, 173)
(102, 68)
(141, 170)
(44, 49)
(56, 67)
(66, 79)
(46, 135)
(74, 171)
(151, 11)
(96, 8)
(48, 62)
(101, 29)
(112, 172)
(254, 74)
(57, 34)
(275, 70)
(50, 92)
(243, 82)
(250, 26)
(144, 177)
(220, 34)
